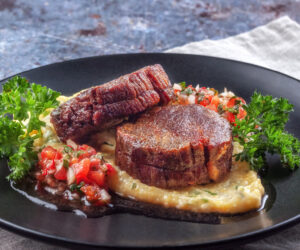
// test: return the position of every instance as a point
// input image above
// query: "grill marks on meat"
(175, 146)
(106, 105)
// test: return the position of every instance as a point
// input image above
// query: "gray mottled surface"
(39, 32)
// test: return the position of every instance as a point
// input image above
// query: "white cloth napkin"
(275, 45)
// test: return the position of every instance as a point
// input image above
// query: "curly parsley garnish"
(263, 131)
(21, 104)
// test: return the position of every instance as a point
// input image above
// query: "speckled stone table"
(39, 32)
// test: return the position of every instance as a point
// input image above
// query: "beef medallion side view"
(175, 146)
(106, 105)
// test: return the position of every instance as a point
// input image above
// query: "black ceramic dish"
(19, 214)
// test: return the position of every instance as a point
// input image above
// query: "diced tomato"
(206, 100)
(214, 103)
(48, 166)
(50, 153)
(242, 113)
(77, 166)
(61, 172)
(83, 147)
(81, 170)
(85, 151)
(97, 177)
(215, 100)
(95, 163)
(110, 169)
(92, 192)
(233, 101)
(95, 195)
(73, 161)
(230, 117)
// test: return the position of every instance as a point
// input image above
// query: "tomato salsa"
(226, 104)
(79, 166)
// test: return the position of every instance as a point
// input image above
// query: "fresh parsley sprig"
(263, 131)
(21, 104)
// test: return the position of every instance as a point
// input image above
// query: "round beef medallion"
(175, 146)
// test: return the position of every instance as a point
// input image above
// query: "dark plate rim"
(152, 54)
(254, 235)
(241, 237)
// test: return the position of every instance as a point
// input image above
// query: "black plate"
(128, 230)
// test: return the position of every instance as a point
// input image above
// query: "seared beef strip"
(106, 105)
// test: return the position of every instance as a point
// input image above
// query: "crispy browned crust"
(175, 146)
(106, 105)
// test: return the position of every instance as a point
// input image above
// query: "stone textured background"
(36, 32)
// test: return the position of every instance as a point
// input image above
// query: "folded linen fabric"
(275, 45)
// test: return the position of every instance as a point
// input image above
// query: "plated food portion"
(175, 146)
(109, 104)
(139, 142)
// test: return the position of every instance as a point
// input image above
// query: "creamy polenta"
(240, 192)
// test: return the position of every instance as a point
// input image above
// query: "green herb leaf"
(68, 149)
(194, 193)
(75, 187)
(79, 153)
(66, 163)
(210, 192)
(263, 131)
(133, 186)
(22, 101)
(182, 85)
